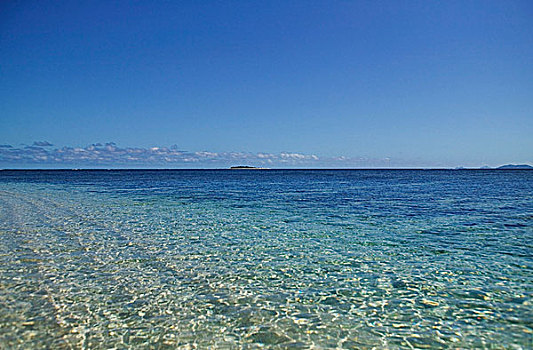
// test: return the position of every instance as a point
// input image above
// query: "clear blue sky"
(424, 83)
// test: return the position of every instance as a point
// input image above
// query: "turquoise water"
(279, 259)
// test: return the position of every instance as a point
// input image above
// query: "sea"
(276, 259)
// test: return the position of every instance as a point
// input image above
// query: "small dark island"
(246, 167)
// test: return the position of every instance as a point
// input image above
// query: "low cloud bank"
(109, 154)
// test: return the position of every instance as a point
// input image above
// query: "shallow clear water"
(284, 259)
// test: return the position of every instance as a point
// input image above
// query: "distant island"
(503, 167)
(515, 166)
(247, 167)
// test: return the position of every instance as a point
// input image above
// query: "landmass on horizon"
(515, 166)
(501, 167)
(247, 167)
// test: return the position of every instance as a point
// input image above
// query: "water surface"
(280, 259)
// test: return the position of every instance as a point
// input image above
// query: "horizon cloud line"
(109, 154)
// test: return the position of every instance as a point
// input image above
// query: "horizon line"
(260, 169)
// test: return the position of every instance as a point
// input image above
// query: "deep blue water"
(276, 258)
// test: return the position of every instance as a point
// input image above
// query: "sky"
(272, 83)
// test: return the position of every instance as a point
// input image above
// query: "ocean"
(357, 259)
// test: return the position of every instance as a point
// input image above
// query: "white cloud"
(111, 154)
